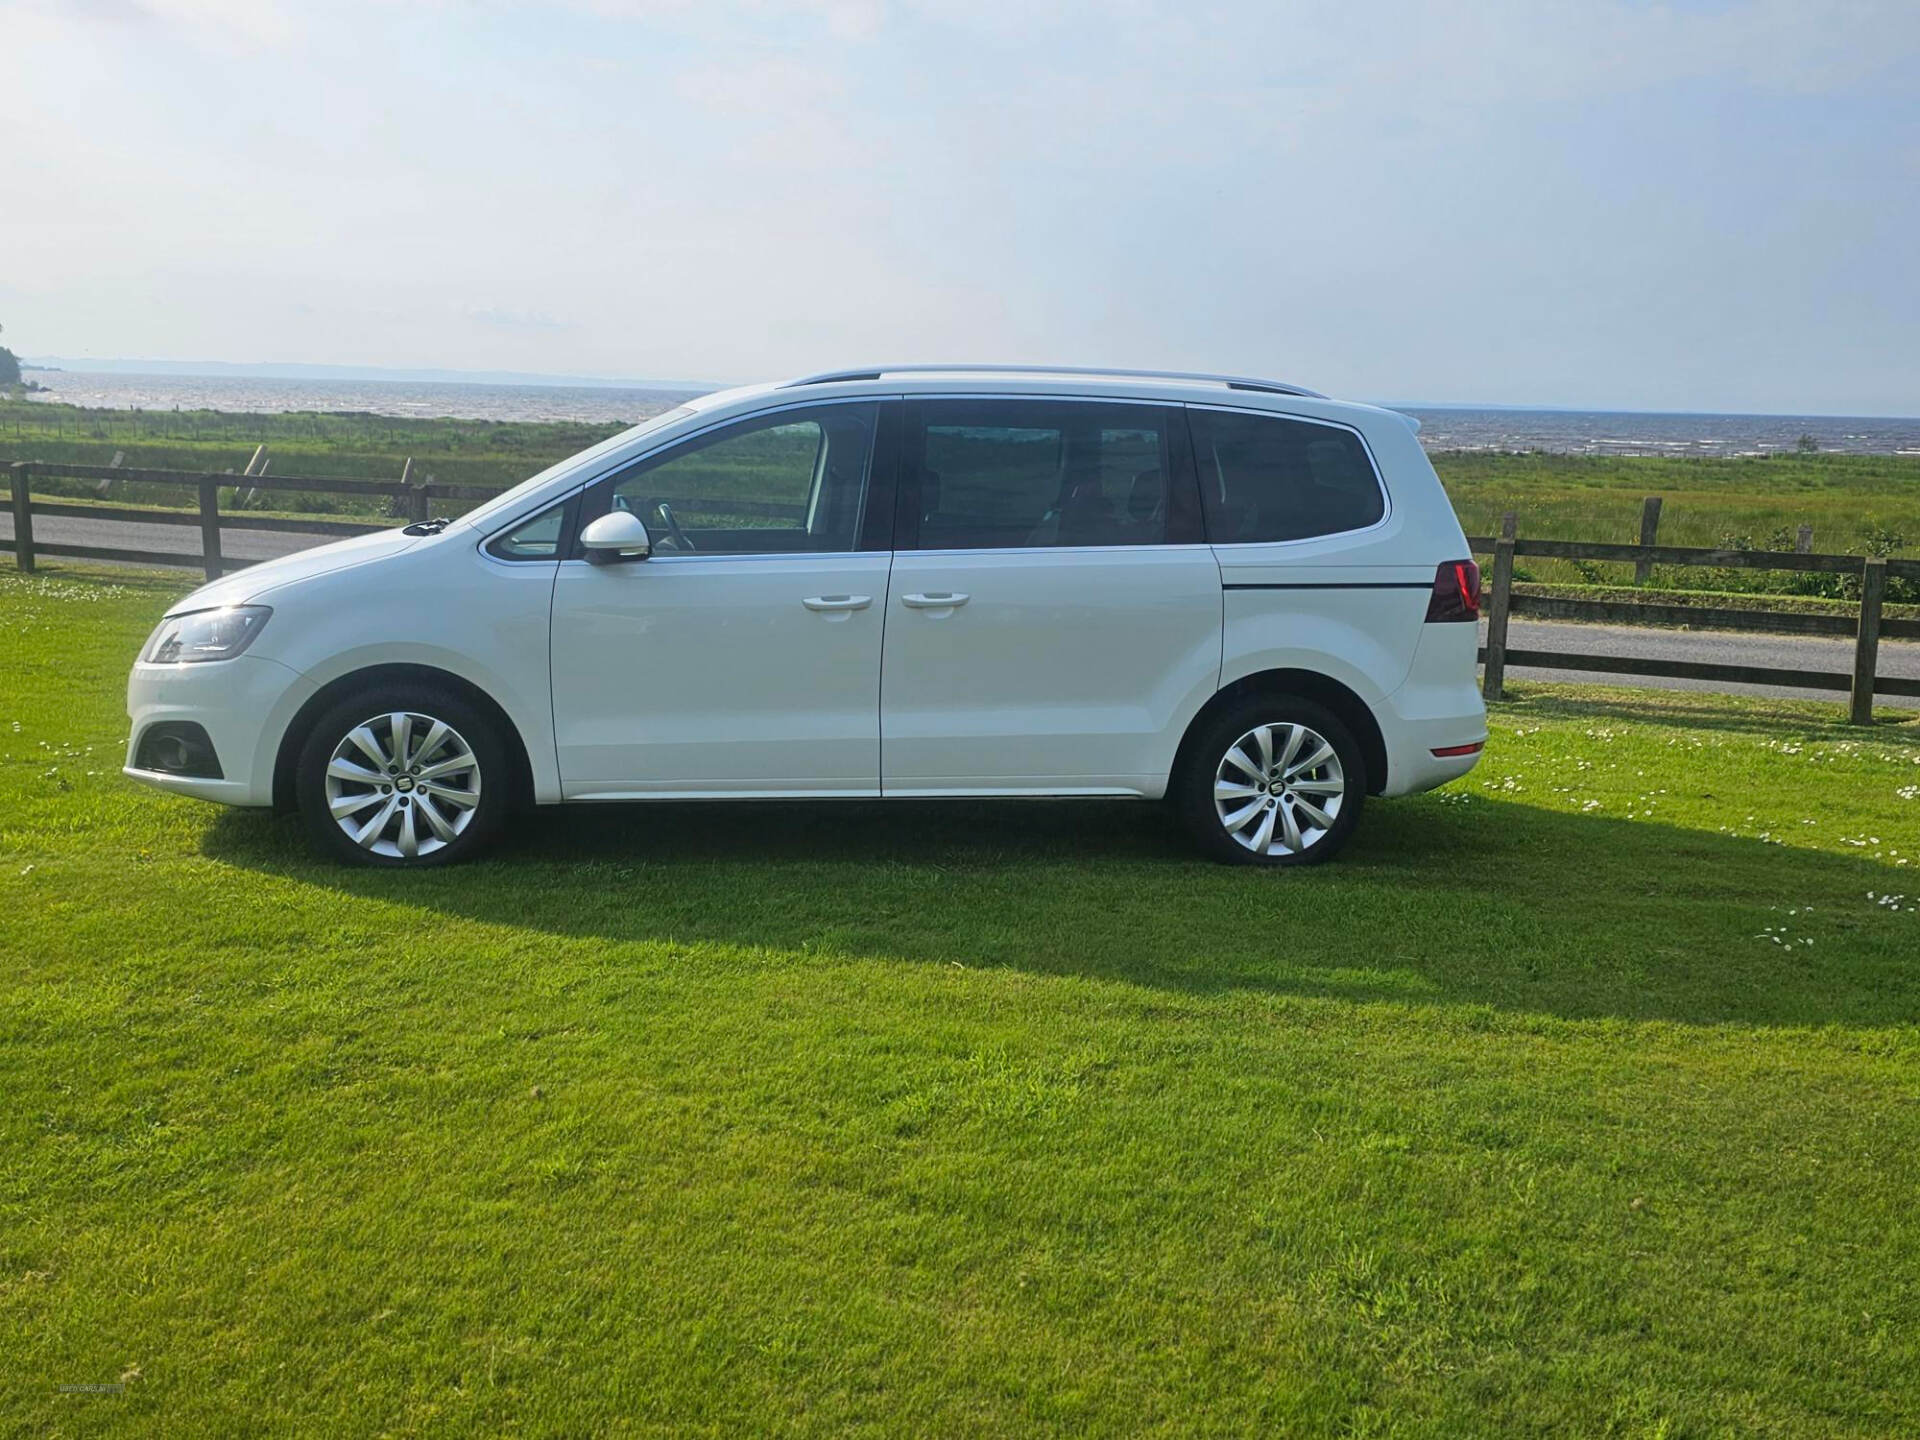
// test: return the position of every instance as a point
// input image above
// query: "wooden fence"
(412, 498)
(1866, 626)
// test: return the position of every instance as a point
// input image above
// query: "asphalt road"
(179, 539)
(1721, 647)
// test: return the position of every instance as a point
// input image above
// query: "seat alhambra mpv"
(915, 582)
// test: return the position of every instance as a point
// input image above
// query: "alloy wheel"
(403, 785)
(1279, 789)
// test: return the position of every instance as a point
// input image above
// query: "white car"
(910, 582)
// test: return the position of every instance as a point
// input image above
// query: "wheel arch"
(1323, 690)
(337, 689)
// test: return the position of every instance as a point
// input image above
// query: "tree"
(9, 366)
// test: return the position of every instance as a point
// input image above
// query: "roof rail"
(875, 372)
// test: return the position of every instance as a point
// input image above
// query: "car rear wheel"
(403, 776)
(1272, 781)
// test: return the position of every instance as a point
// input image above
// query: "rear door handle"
(837, 602)
(947, 600)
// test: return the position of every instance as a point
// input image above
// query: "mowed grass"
(1583, 1098)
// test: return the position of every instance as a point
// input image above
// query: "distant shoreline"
(218, 370)
(368, 374)
(1462, 428)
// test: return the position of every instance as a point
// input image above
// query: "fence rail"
(206, 516)
(1703, 617)
(1866, 625)
(1691, 555)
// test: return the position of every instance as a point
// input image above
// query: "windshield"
(507, 499)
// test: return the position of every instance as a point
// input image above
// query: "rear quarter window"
(1265, 477)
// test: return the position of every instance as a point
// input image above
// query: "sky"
(1597, 203)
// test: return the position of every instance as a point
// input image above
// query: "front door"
(744, 654)
(1055, 617)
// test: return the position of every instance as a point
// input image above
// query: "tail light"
(1456, 592)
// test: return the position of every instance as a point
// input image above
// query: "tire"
(441, 817)
(1338, 784)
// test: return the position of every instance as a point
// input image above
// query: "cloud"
(508, 319)
(1480, 52)
(1375, 193)
(241, 26)
(846, 19)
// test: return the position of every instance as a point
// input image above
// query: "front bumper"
(244, 704)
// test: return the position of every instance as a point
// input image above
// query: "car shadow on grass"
(1447, 901)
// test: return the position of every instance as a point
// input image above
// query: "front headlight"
(205, 635)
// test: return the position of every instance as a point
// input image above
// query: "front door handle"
(837, 602)
(944, 600)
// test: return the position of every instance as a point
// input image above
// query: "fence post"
(1866, 645)
(257, 466)
(1649, 535)
(417, 511)
(408, 505)
(210, 525)
(22, 515)
(1803, 542)
(1496, 674)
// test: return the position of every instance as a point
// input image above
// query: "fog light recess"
(177, 747)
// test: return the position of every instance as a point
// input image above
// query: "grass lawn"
(1582, 1098)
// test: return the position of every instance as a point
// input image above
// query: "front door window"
(794, 482)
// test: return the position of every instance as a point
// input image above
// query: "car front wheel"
(403, 776)
(1272, 781)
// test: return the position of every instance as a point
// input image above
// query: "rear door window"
(1267, 477)
(1017, 474)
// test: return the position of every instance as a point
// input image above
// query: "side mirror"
(616, 536)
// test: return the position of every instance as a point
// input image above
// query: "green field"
(1847, 499)
(1861, 504)
(1856, 504)
(1580, 1098)
(352, 447)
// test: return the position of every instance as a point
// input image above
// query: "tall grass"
(355, 447)
(1860, 504)
(1856, 504)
